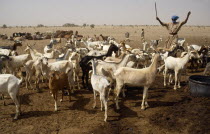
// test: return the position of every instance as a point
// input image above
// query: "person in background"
(142, 35)
(127, 35)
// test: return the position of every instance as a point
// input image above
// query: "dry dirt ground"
(170, 111)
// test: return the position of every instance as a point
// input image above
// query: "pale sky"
(99, 12)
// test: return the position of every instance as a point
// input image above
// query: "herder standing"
(173, 29)
(127, 35)
(142, 35)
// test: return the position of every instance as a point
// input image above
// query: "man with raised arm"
(173, 29)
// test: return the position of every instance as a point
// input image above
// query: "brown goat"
(104, 38)
(57, 82)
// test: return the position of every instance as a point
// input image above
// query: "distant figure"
(76, 34)
(127, 35)
(173, 29)
(142, 35)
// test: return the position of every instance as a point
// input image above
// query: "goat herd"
(113, 66)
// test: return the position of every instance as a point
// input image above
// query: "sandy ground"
(170, 111)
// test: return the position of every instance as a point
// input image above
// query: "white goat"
(136, 77)
(37, 66)
(52, 55)
(181, 41)
(33, 52)
(176, 64)
(75, 58)
(193, 47)
(48, 48)
(5, 52)
(15, 62)
(63, 66)
(101, 85)
(60, 66)
(30, 71)
(113, 66)
(93, 45)
(10, 84)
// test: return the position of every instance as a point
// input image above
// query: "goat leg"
(86, 80)
(144, 97)
(83, 80)
(94, 93)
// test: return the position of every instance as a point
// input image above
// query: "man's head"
(174, 18)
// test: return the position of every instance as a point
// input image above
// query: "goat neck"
(93, 66)
(32, 53)
(186, 58)
(67, 54)
(153, 66)
(124, 61)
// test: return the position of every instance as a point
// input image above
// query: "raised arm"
(185, 21)
(162, 23)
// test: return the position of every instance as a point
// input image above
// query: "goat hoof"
(147, 106)
(94, 106)
(179, 86)
(143, 108)
(15, 118)
(61, 100)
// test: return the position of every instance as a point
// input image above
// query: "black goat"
(86, 65)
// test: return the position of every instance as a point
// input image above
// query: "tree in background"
(92, 26)
(84, 25)
(4, 26)
(70, 25)
(40, 25)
